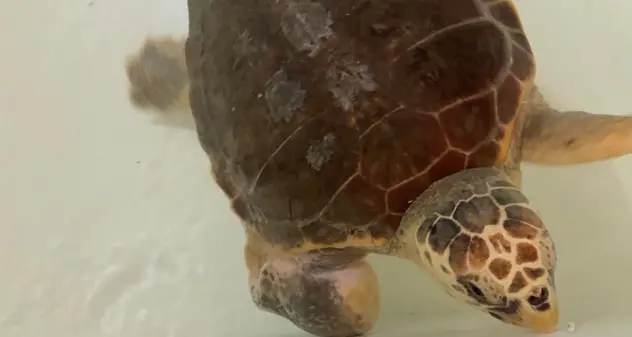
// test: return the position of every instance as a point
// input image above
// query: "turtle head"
(477, 234)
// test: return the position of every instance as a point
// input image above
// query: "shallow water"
(111, 226)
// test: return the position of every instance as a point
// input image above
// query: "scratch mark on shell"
(345, 83)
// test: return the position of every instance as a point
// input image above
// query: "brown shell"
(324, 119)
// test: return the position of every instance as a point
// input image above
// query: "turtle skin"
(324, 119)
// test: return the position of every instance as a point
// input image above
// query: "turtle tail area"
(157, 75)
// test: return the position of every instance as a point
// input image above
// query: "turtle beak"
(542, 317)
(538, 320)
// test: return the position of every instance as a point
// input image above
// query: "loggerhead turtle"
(340, 128)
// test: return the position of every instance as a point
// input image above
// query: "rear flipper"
(553, 137)
(332, 294)
(158, 75)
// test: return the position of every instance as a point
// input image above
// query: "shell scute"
(455, 64)
(388, 157)
(467, 123)
(313, 163)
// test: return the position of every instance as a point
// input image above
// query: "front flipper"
(553, 137)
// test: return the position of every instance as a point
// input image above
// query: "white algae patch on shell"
(346, 82)
(244, 46)
(284, 97)
(306, 25)
(319, 152)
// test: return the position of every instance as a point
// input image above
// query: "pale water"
(111, 226)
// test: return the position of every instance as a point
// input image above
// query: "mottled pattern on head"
(324, 119)
(158, 75)
(487, 245)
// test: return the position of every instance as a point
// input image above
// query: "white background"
(111, 226)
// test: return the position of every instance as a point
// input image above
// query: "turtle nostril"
(540, 299)
(533, 300)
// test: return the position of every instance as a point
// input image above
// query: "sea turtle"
(341, 128)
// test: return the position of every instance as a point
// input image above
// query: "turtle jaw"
(535, 307)
(541, 321)
(541, 318)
